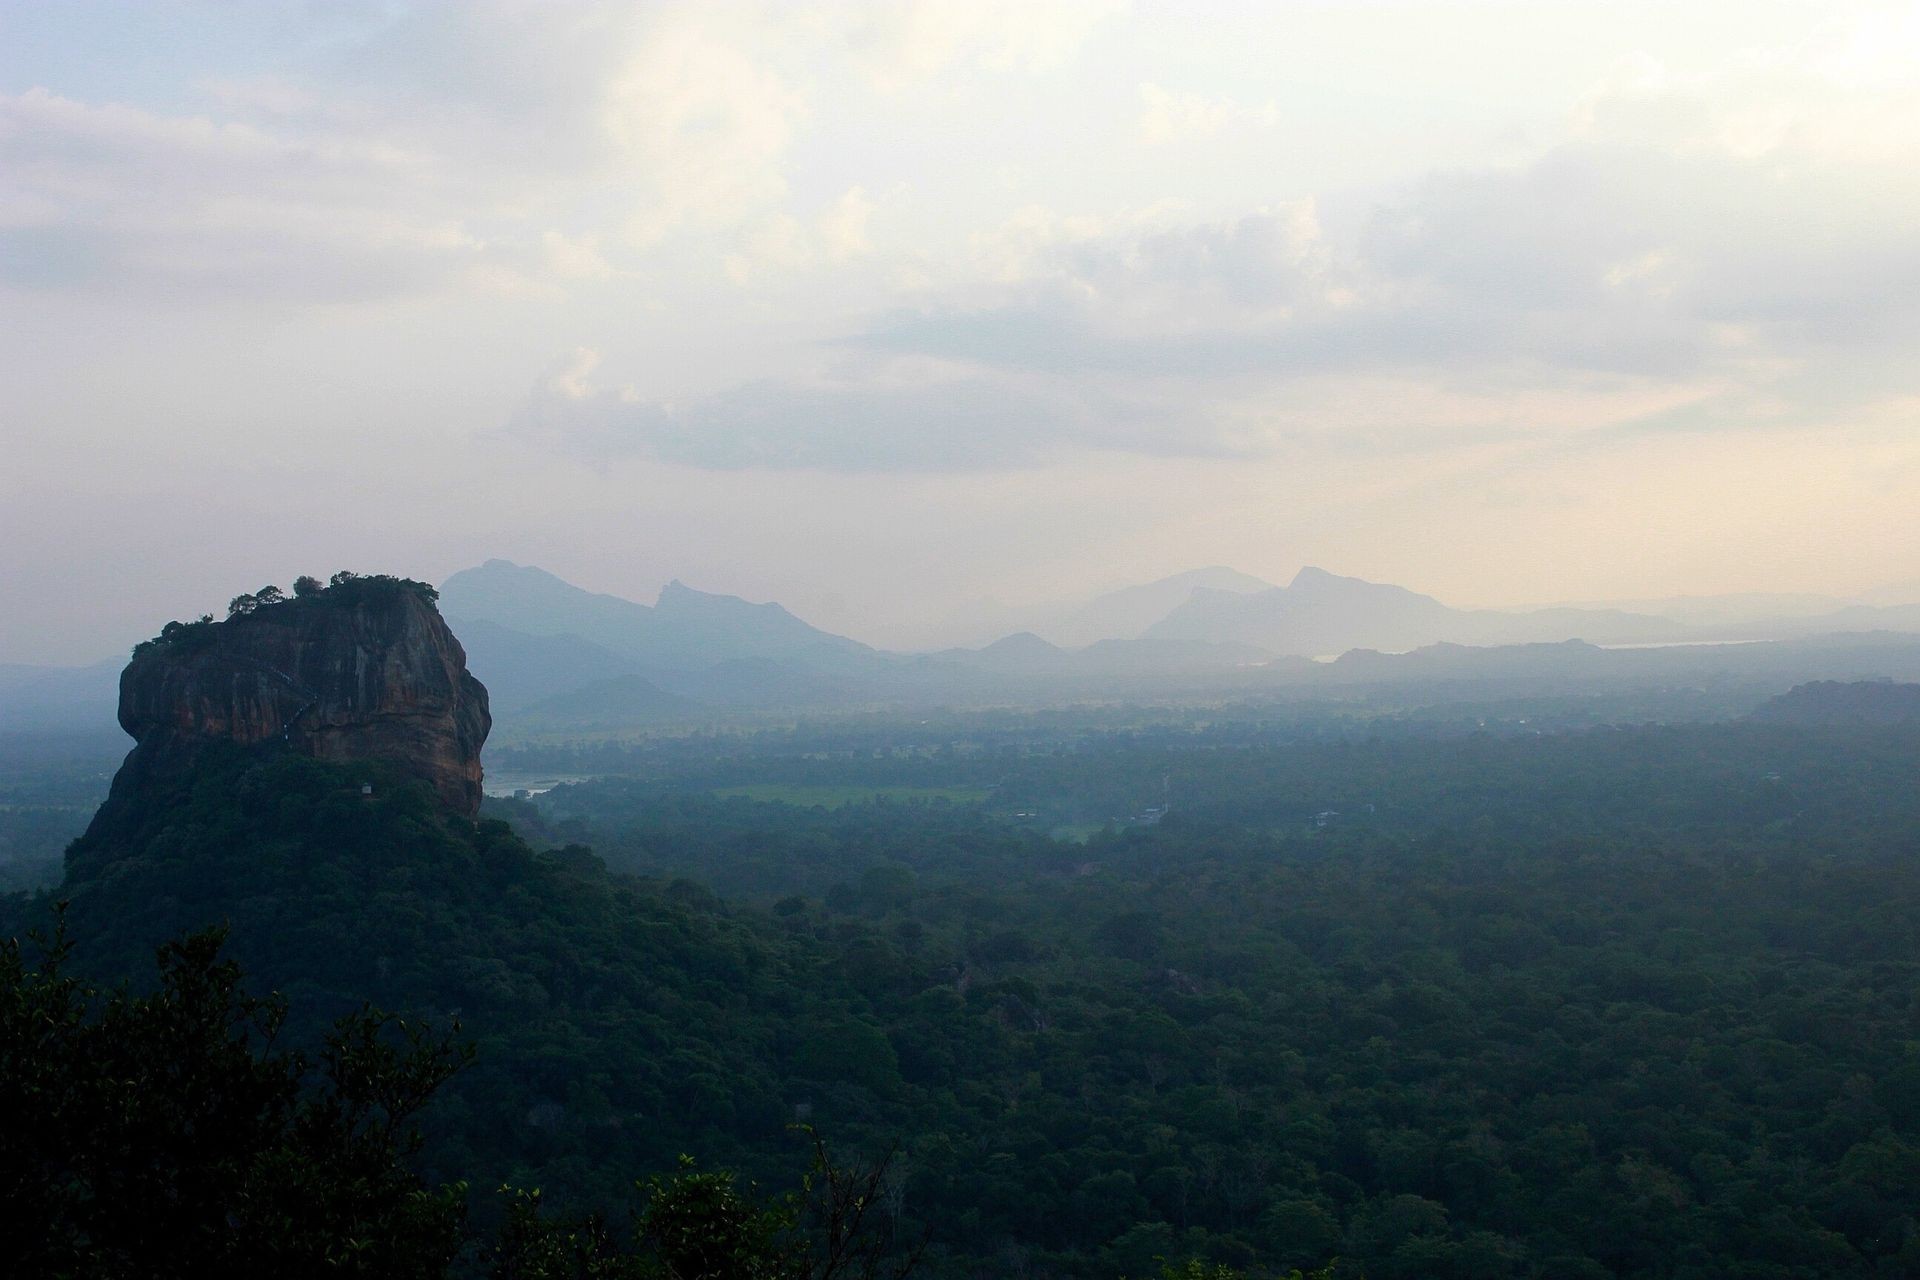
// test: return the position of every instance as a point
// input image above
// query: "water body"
(504, 786)
(1680, 644)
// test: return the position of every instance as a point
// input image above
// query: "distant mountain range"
(684, 630)
(1324, 614)
(560, 657)
(1126, 614)
(557, 658)
(553, 653)
(1321, 614)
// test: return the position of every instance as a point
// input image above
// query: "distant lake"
(503, 785)
(1680, 644)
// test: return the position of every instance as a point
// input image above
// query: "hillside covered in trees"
(1627, 1002)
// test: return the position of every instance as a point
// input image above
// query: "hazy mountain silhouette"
(520, 670)
(1127, 613)
(1891, 594)
(1322, 614)
(1853, 618)
(1025, 654)
(555, 656)
(1575, 666)
(558, 655)
(1734, 611)
(1022, 653)
(686, 630)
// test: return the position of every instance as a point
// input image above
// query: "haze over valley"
(557, 657)
(960, 640)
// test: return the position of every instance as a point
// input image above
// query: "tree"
(700, 1225)
(851, 1216)
(307, 585)
(166, 1135)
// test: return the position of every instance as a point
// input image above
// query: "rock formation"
(362, 670)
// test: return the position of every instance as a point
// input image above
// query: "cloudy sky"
(907, 313)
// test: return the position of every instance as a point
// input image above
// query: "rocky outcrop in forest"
(362, 669)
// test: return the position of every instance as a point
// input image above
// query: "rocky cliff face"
(362, 671)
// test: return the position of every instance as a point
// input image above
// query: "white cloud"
(575, 257)
(1843, 103)
(782, 243)
(118, 198)
(884, 416)
(843, 228)
(1166, 116)
(778, 243)
(1146, 295)
(570, 380)
(1726, 249)
(954, 254)
(491, 148)
(898, 43)
(701, 129)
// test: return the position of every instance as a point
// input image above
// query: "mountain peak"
(499, 568)
(678, 596)
(1316, 584)
(685, 630)
(1127, 612)
(1216, 577)
(1021, 642)
(1314, 576)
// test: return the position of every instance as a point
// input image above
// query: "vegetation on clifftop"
(344, 589)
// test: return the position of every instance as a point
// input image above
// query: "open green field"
(832, 797)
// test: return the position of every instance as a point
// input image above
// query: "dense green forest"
(1622, 1002)
(171, 1133)
(50, 784)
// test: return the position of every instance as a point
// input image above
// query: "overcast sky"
(901, 311)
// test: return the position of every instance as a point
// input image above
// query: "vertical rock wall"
(363, 672)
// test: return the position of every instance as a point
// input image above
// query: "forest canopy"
(1630, 1002)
